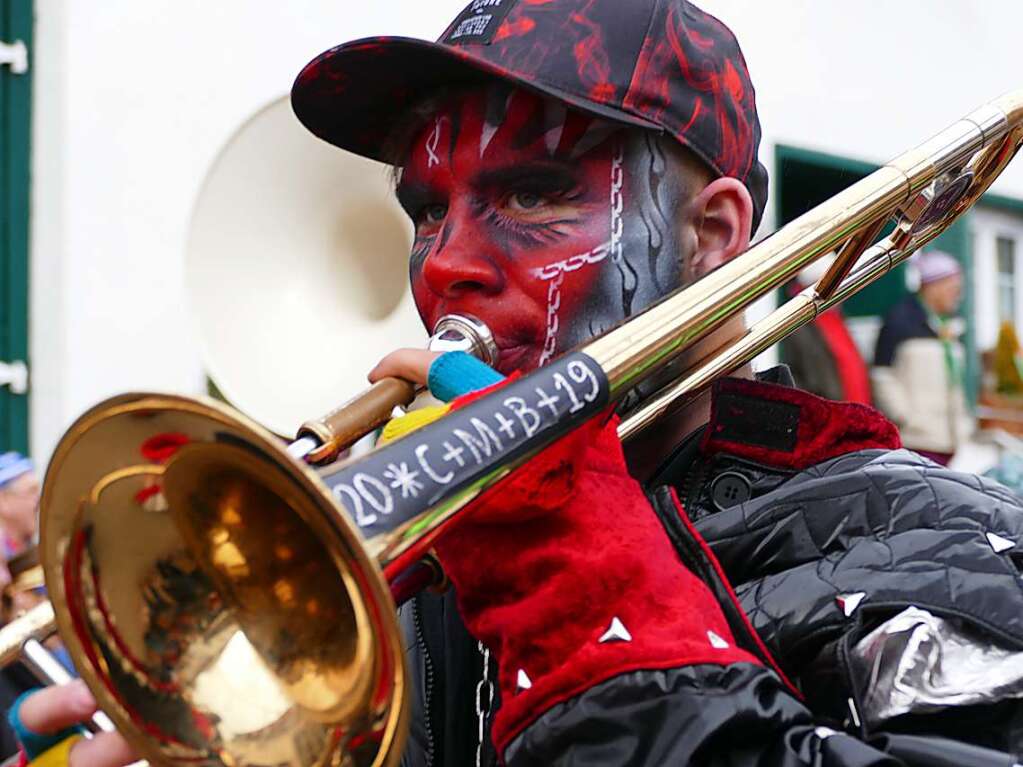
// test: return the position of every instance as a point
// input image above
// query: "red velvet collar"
(789, 428)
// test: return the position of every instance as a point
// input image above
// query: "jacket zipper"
(692, 482)
(428, 673)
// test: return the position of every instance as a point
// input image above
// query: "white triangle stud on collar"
(716, 641)
(849, 602)
(522, 682)
(616, 632)
(999, 544)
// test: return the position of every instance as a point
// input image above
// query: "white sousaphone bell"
(297, 271)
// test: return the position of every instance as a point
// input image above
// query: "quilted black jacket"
(893, 527)
(885, 524)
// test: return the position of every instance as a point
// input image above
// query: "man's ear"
(722, 217)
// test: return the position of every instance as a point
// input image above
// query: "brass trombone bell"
(219, 608)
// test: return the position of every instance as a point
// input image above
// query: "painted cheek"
(426, 301)
(575, 289)
(559, 277)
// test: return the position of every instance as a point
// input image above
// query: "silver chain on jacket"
(484, 686)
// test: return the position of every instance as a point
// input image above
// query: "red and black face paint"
(549, 225)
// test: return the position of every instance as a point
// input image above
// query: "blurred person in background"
(918, 373)
(19, 497)
(822, 355)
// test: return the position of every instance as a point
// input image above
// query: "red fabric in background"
(852, 370)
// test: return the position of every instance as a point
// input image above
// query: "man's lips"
(516, 358)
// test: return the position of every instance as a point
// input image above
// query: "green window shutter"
(15, 126)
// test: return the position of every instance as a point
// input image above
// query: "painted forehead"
(501, 122)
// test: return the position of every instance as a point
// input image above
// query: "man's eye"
(432, 214)
(526, 200)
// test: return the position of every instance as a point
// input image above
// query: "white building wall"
(135, 99)
(873, 78)
(133, 102)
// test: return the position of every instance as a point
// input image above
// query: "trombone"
(228, 603)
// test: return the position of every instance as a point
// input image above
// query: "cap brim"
(354, 95)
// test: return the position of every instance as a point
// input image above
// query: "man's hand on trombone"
(411, 364)
(48, 714)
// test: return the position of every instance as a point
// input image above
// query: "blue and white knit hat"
(934, 265)
(12, 466)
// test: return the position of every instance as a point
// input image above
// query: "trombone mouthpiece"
(464, 333)
(322, 440)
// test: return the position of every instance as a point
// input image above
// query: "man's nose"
(462, 263)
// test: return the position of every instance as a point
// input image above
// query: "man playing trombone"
(735, 587)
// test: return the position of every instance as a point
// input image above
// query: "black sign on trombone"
(397, 482)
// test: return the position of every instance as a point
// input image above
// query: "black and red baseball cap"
(663, 65)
